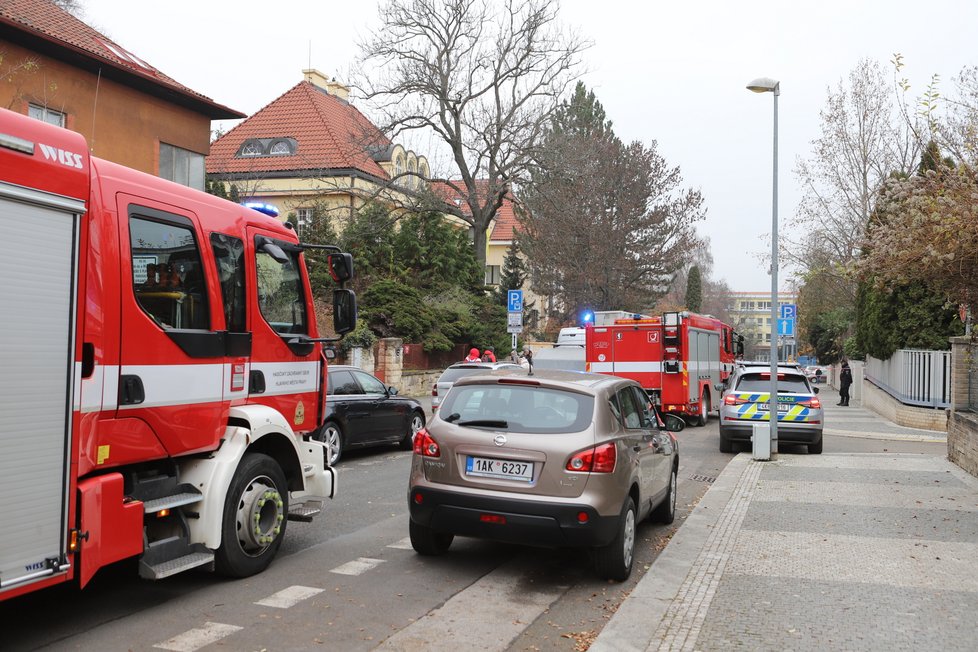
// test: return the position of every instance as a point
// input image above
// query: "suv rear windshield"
(762, 383)
(522, 408)
(452, 374)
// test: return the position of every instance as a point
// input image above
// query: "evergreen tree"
(694, 290)
(514, 273)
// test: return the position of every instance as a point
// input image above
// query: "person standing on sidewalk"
(845, 380)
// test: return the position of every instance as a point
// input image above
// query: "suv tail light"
(812, 402)
(434, 389)
(600, 459)
(425, 446)
(730, 399)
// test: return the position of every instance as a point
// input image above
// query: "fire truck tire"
(255, 512)
(332, 435)
(417, 423)
(705, 407)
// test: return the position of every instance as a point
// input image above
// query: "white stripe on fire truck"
(608, 367)
(189, 384)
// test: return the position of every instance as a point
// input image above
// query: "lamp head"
(765, 85)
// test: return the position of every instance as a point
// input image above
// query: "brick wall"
(875, 399)
(962, 441)
(962, 430)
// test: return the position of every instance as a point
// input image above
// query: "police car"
(746, 401)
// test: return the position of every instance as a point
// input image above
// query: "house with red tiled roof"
(58, 69)
(313, 154)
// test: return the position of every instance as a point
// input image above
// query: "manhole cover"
(702, 478)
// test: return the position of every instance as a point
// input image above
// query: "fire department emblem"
(300, 413)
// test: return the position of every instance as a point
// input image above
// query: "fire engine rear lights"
(495, 519)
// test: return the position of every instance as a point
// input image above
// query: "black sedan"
(362, 411)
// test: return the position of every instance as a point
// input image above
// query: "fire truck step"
(173, 566)
(305, 511)
(169, 502)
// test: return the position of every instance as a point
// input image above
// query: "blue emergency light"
(266, 209)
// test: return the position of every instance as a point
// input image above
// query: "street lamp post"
(768, 85)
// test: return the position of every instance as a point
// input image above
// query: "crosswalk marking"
(403, 544)
(361, 565)
(289, 597)
(198, 638)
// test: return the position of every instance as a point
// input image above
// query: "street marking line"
(403, 544)
(361, 565)
(289, 597)
(198, 638)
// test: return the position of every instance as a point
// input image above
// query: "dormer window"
(253, 147)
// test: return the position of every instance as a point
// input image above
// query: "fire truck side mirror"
(341, 267)
(273, 250)
(344, 311)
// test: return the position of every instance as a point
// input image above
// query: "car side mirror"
(815, 390)
(391, 391)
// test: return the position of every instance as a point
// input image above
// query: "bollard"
(761, 441)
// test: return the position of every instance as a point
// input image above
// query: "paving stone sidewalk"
(815, 552)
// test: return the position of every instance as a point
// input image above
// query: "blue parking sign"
(789, 311)
(515, 300)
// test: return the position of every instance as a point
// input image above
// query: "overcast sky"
(671, 72)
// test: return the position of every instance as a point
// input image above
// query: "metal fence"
(914, 377)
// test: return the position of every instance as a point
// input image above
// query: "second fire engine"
(679, 358)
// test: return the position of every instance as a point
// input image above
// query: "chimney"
(332, 87)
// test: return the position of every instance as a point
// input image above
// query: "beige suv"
(557, 458)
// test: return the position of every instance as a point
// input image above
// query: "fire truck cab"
(678, 358)
(163, 372)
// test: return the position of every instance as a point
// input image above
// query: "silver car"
(459, 370)
(559, 458)
(746, 401)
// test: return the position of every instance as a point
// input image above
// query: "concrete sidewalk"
(817, 552)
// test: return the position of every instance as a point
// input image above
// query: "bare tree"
(863, 141)
(483, 76)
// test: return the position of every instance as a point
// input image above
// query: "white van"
(571, 336)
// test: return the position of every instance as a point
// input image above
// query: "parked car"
(746, 400)
(460, 370)
(816, 375)
(559, 458)
(362, 411)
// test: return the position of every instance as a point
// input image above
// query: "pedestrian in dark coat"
(845, 380)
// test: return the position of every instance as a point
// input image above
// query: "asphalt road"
(349, 581)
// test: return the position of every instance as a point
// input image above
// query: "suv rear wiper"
(489, 423)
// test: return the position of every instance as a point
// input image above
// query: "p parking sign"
(514, 300)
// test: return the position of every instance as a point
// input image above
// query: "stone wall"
(911, 416)
(962, 430)
(962, 441)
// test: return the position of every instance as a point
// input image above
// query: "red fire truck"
(679, 358)
(163, 376)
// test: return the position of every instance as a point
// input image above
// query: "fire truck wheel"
(417, 423)
(255, 513)
(332, 436)
(705, 408)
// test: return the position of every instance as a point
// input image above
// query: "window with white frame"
(45, 114)
(182, 165)
(303, 217)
